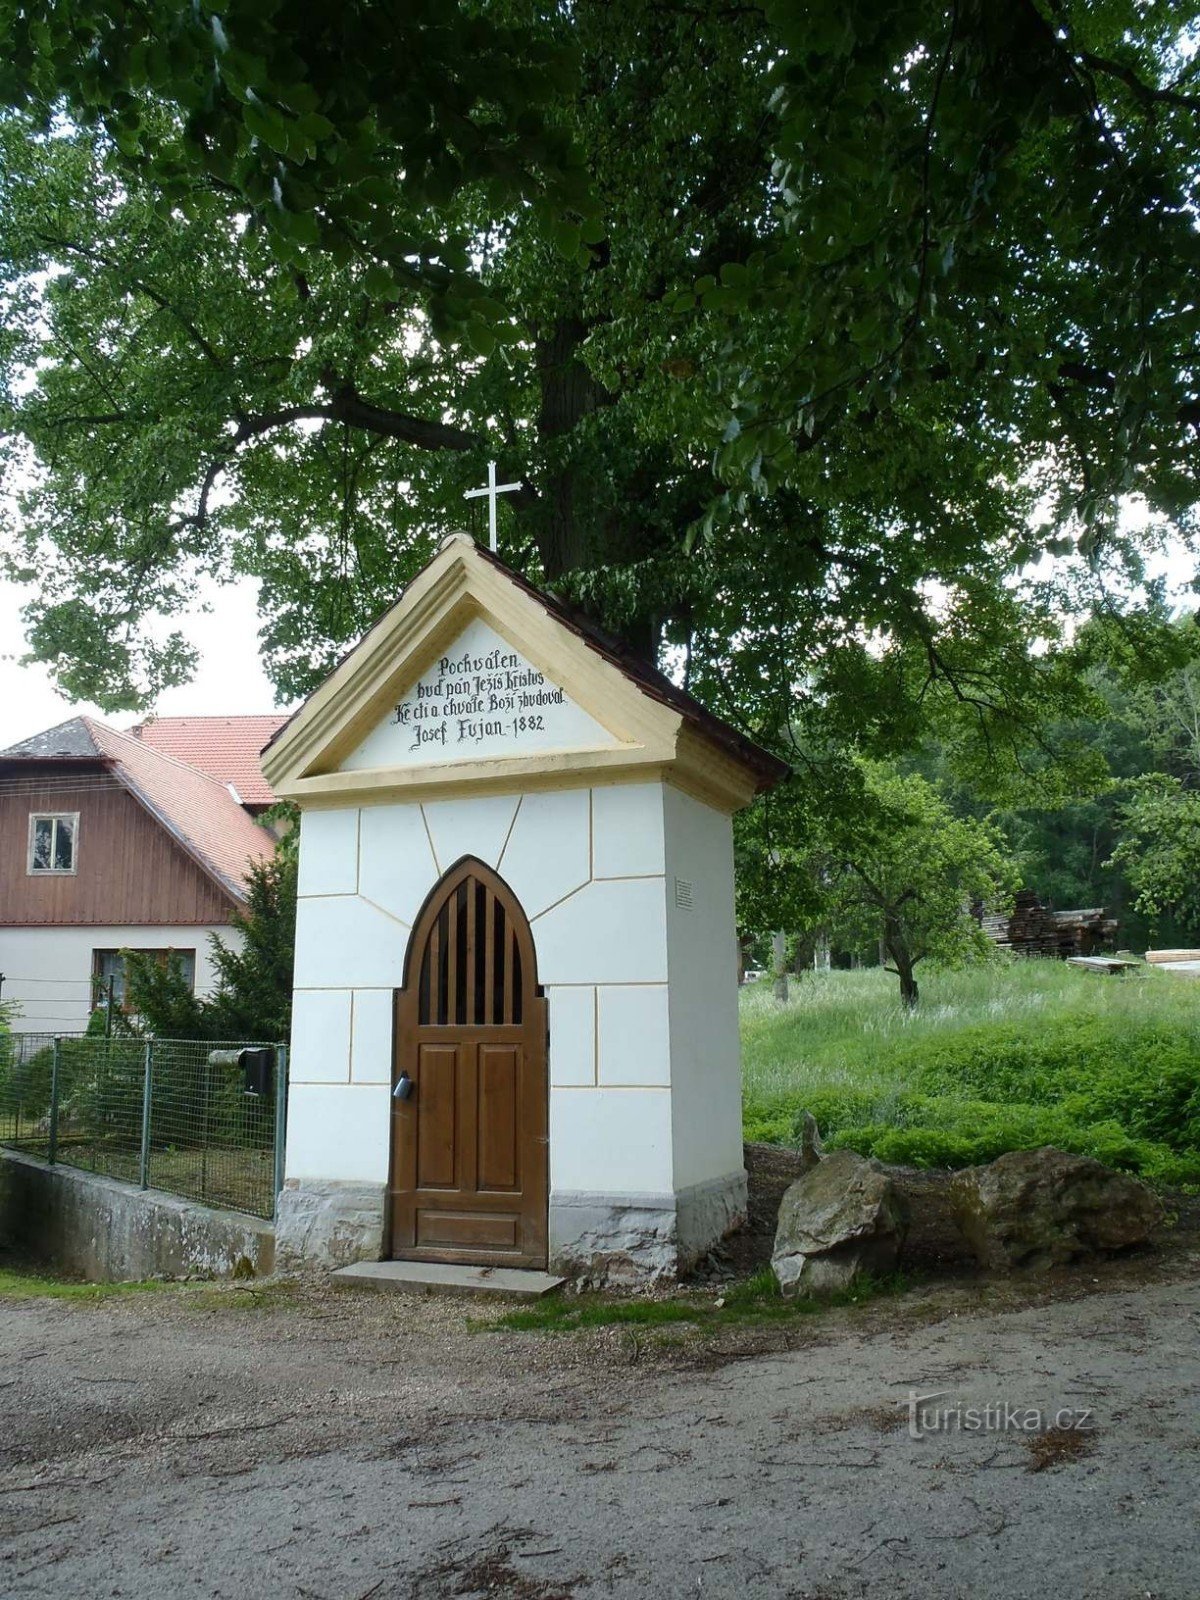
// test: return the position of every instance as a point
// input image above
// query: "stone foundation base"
(321, 1224)
(597, 1239)
(708, 1212)
(616, 1239)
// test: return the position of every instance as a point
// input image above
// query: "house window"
(52, 842)
(110, 964)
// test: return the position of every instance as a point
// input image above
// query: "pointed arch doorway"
(469, 1174)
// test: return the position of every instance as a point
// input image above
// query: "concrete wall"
(595, 872)
(110, 1232)
(48, 971)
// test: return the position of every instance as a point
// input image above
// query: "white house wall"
(598, 918)
(48, 971)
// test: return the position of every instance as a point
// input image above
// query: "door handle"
(404, 1087)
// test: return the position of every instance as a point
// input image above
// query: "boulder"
(1043, 1208)
(812, 1151)
(841, 1219)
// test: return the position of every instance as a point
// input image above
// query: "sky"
(229, 679)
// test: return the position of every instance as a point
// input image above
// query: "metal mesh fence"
(158, 1112)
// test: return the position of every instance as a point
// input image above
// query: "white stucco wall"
(48, 971)
(644, 1079)
(706, 1113)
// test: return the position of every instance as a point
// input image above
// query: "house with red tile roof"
(114, 841)
(225, 747)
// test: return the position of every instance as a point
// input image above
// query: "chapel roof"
(650, 680)
(767, 769)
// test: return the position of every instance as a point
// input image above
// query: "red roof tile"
(196, 809)
(225, 747)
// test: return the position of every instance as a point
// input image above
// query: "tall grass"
(843, 1044)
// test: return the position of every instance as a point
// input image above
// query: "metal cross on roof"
(491, 490)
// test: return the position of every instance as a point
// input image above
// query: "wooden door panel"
(464, 1229)
(498, 1117)
(436, 1103)
(470, 1170)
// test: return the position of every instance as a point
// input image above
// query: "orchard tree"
(904, 871)
(1159, 850)
(806, 328)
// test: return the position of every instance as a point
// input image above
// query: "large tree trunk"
(569, 394)
(779, 963)
(575, 529)
(909, 993)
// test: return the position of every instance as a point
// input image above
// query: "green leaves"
(420, 105)
(566, 238)
(791, 325)
(1159, 850)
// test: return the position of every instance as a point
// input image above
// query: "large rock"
(1044, 1208)
(812, 1151)
(841, 1219)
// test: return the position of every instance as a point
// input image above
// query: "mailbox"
(257, 1066)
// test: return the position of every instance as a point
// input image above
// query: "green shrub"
(969, 1133)
(835, 1108)
(763, 1125)
(27, 1083)
(1142, 1075)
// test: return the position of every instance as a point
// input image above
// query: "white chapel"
(515, 1027)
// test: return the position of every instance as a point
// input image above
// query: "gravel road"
(347, 1446)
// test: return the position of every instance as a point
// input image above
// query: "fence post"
(204, 1132)
(281, 1089)
(147, 1092)
(52, 1152)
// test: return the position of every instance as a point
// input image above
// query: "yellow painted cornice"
(303, 763)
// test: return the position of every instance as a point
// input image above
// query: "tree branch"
(347, 407)
(151, 293)
(1144, 91)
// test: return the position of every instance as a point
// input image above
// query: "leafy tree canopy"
(888, 865)
(1160, 850)
(863, 308)
(317, 121)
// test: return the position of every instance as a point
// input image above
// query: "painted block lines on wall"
(548, 853)
(572, 1036)
(627, 830)
(634, 1036)
(321, 1036)
(371, 1036)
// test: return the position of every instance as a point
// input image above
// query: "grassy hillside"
(1006, 1056)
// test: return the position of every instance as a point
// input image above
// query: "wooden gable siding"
(129, 868)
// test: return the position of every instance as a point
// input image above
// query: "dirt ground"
(333, 1445)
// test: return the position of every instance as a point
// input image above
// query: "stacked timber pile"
(1033, 929)
(1183, 963)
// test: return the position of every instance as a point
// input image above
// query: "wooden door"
(469, 1170)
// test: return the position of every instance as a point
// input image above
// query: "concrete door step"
(443, 1277)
